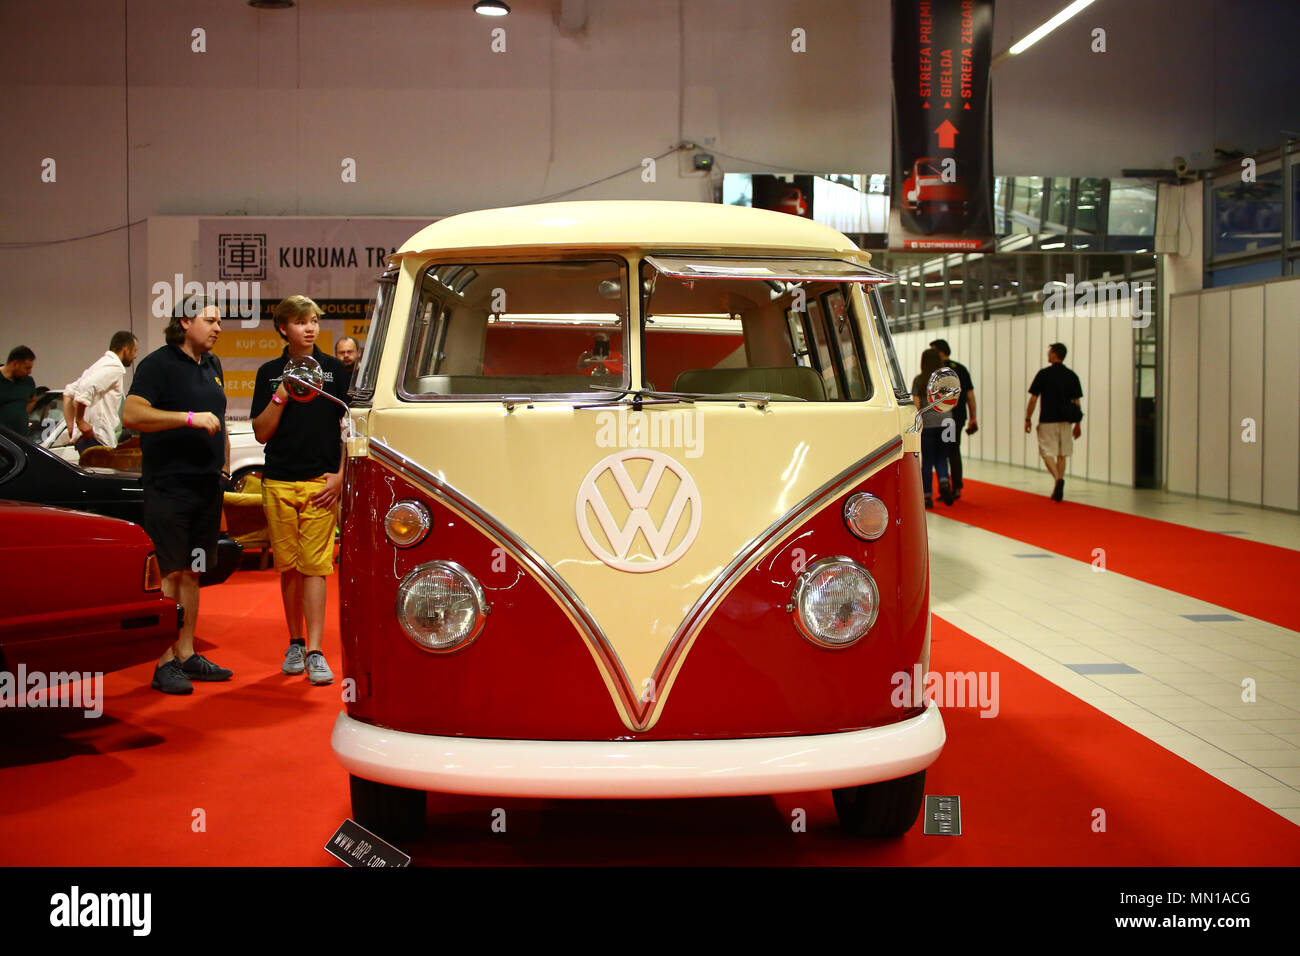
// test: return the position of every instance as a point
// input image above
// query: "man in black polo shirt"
(301, 482)
(1058, 424)
(177, 402)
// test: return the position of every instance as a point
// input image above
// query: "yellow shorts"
(302, 534)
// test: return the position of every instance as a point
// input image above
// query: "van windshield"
(726, 329)
(518, 328)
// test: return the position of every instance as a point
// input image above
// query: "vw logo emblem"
(616, 549)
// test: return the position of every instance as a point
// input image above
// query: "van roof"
(623, 224)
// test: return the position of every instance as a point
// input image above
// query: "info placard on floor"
(942, 816)
(356, 846)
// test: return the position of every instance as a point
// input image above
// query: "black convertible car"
(31, 473)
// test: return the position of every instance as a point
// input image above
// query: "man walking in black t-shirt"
(1058, 422)
(178, 404)
(301, 482)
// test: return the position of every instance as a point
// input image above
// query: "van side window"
(362, 389)
(837, 311)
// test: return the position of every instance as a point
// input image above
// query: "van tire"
(394, 813)
(886, 809)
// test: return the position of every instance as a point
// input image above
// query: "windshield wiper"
(639, 397)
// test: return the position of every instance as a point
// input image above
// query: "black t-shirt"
(1056, 387)
(967, 386)
(14, 396)
(307, 442)
(169, 380)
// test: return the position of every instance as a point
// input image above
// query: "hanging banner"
(943, 135)
(257, 262)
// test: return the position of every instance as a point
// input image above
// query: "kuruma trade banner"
(942, 188)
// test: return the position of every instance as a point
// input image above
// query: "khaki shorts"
(302, 534)
(1055, 439)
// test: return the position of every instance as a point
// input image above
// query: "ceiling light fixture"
(491, 8)
(1049, 26)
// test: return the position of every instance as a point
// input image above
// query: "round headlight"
(441, 606)
(406, 523)
(834, 602)
(866, 516)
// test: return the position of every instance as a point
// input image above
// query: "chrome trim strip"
(530, 559)
(738, 566)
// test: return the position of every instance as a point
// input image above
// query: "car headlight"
(834, 602)
(866, 515)
(441, 606)
(406, 523)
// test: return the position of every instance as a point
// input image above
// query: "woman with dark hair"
(932, 451)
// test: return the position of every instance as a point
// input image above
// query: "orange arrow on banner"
(947, 135)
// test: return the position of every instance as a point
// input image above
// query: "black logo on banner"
(241, 255)
(943, 154)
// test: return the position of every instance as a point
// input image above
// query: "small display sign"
(357, 846)
(942, 816)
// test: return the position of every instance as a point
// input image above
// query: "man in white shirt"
(92, 404)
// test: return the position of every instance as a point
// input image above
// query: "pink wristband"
(189, 422)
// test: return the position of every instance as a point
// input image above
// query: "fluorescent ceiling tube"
(1049, 26)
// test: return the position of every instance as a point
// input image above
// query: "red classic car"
(106, 610)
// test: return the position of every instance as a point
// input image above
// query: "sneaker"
(318, 672)
(294, 660)
(1059, 491)
(945, 492)
(198, 667)
(170, 679)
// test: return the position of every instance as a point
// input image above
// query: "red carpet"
(253, 755)
(1246, 576)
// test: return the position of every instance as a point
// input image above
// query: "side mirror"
(944, 389)
(303, 378)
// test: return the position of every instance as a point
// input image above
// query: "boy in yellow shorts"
(301, 482)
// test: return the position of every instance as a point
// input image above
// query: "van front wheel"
(886, 809)
(394, 813)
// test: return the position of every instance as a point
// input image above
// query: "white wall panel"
(974, 360)
(1039, 330)
(1079, 360)
(1096, 423)
(1212, 395)
(1183, 346)
(1019, 382)
(988, 352)
(1280, 430)
(1002, 343)
(1121, 404)
(1246, 393)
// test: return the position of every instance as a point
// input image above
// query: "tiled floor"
(1182, 678)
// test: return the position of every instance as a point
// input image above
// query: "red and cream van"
(632, 509)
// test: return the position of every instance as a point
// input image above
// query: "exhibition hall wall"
(139, 124)
(1003, 355)
(1233, 387)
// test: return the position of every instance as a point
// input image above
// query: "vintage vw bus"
(633, 509)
